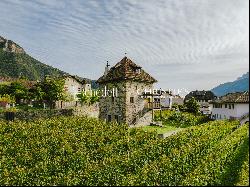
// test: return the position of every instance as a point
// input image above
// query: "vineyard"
(86, 151)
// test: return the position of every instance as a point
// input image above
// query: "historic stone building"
(127, 81)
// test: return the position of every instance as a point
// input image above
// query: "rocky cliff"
(10, 46)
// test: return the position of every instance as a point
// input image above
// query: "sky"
(184, 44)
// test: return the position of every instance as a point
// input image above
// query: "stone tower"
(127, 81)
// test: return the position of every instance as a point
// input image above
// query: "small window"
(117, 118)
(233, 106)
(131, 99)
(79, 89)
(138, 70)
(225, 105)
(229, 106)
(109, 118)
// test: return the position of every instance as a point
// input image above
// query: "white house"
(231, 106)
(75, 85)
(164, 99)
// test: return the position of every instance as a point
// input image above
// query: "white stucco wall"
(74, 87)
(241, 109)
(225, 113)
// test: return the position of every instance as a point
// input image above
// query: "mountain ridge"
(15, 62)
(239, 85)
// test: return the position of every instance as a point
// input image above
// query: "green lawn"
(160, 130)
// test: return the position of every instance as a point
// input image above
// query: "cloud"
(196, 37)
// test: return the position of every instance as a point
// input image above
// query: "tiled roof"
(200, 95)
(78, 79)
(7, 79)
(126, 69)
(237, 97)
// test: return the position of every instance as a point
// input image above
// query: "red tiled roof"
(126, 69)
(237, 97)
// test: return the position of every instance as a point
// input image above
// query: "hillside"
(15, 62)
(240, 84)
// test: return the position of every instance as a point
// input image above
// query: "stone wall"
(36, 114)
(90, 111)
(145, 120)
(113, 106)
(121, 105)
(133, 110)
(87, 110)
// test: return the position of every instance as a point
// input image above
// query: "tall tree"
(53, 89)
(192, 106)
(18, 90)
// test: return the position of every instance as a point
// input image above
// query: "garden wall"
(91, 111)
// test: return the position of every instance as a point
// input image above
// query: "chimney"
(106, 68)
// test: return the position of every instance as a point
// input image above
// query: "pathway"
(169, 133)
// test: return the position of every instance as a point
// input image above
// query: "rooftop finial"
(106, 68)
(107, 64)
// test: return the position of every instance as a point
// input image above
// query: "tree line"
(47, 91)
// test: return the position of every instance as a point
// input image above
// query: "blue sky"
(192, 44)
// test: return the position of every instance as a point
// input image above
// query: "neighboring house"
(203, 98)
(231, 106)
(177, 99)
(129, 80)
(75, 85)
(166, 99)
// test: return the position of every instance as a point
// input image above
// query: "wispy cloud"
(177, 41)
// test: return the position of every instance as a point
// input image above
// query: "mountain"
(239, 85)
(15, 62)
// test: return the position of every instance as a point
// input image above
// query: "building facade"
(165, 99)
(231, 106)
(203, 98)
(125, 84)
(74, 85)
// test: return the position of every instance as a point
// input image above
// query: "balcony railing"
(156, 105)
